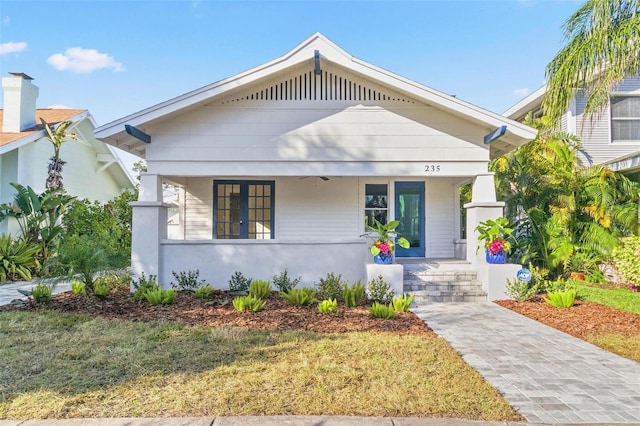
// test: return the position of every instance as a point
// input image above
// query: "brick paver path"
(547, 375)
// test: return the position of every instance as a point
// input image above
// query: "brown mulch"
(278, 314)
(581, 320)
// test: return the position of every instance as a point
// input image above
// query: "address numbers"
(432, 168)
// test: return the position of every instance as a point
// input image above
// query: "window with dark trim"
(625, 119)
(376, 203)
(243, 210)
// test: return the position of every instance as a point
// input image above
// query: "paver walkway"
(547, 375)
(9, 292)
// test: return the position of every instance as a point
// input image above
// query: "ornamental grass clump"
(248, 303)
(561, 299)
(379, 310)
(353, 295)
(260, 289)
(204, 292)
(42, 293)
(329, 306)
(160, 296)
(402, 303)
(299, 296)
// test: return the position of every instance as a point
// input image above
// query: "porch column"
(149, 227)
(483, 206)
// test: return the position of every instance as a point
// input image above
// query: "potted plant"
(495, 234)
(384, 240)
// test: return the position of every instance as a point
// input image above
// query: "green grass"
(619, 298)
(628, 347)
(60, 365)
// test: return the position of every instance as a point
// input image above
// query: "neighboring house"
(612, 137)
(93, 169)
(282, 165)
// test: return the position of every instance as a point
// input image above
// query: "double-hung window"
(625, 119)
(243, 210)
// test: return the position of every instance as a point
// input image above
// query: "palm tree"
(603, 46)
(57, 136)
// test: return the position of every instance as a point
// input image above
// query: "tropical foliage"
(562, 211)
(603, 46)
(17, 258)
(38, 217)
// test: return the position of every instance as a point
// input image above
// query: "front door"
(410, 213)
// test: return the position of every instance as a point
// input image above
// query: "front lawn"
(61, 365)
(619, 298)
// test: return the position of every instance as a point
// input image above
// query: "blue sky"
(117, 57)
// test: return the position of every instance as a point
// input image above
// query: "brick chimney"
(19, 103)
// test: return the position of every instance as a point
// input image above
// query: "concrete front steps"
(435, 285)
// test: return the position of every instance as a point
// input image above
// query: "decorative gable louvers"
(327, 86)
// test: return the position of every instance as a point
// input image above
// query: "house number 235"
(432, 168)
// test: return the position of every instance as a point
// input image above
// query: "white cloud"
(58, 106)
(522, 92)
(79, 60)
(6, 20)
(12, 47)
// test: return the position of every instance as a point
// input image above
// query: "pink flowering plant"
(495, 234)
(385, 237)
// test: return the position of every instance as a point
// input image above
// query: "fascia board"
(527, 104)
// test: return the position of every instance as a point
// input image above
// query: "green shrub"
(329, 306)
(520, 290)
(330, 287)
(283, 282)
(42, 293)
(260, 289)
(159, 296)
(561, 299)
(248, 303)
(382, 311)
(353, 295)
(299, 296)
(402, 303)
(204, 292)
(380, 291)
(238, 282)
(143, 285)
(77, 287)
(186, 281)
(101, 287)
(627, 259)
(17, 258)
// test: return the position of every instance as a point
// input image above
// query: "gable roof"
(529, 103)
(52, 116)
(11, 141)
(114, 132)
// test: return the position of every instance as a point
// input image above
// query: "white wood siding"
(313, 208)
(198, 211)
(595, 135)
(441, 217)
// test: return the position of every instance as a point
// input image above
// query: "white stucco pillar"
(149, 227)
(483, 206)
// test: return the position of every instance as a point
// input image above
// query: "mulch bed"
(581, 320)
(217, 312)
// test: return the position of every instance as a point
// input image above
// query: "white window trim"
(610, 120)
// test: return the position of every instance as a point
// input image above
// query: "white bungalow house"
(94, 170)
(611, 138)
(281, 166)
